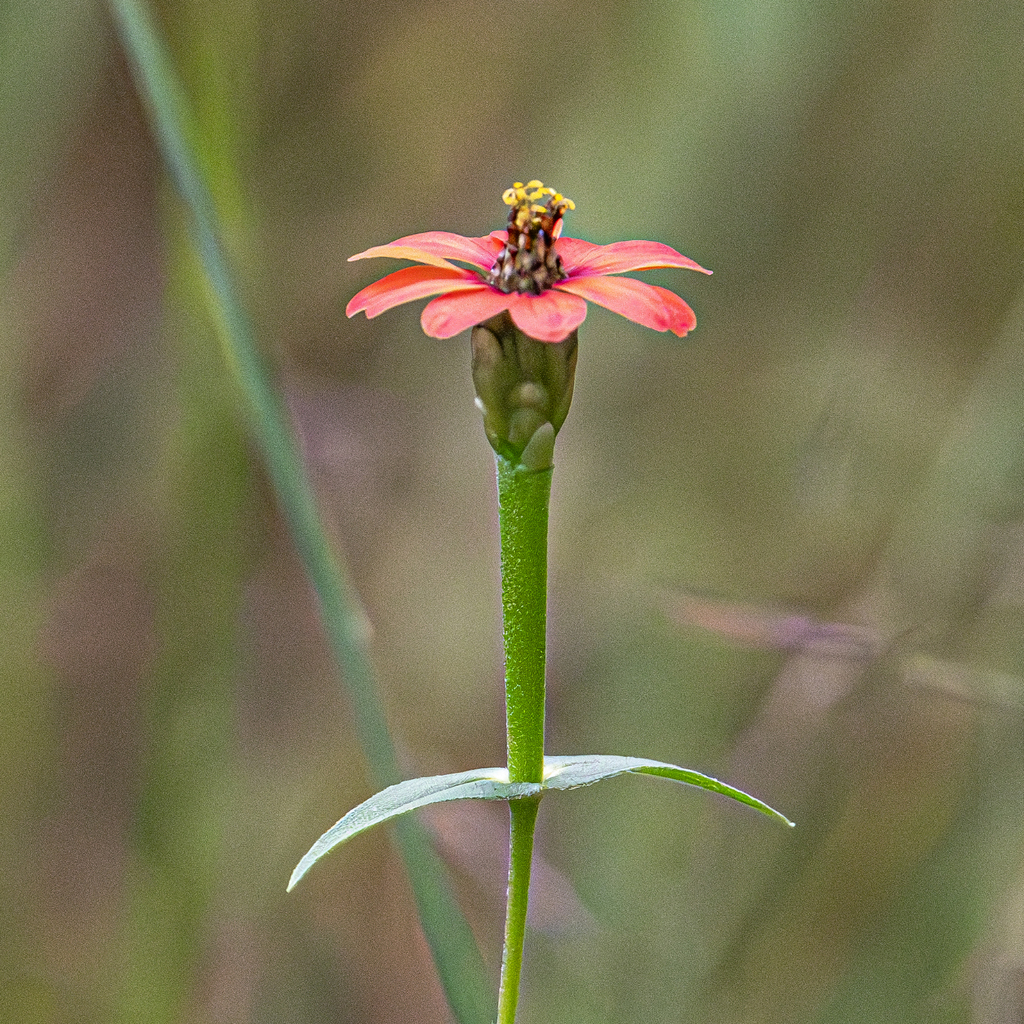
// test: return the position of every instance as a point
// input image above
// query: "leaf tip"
(297, 875)
(779, 816)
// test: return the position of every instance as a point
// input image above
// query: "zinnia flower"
(542, 279)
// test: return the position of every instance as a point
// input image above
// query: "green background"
(787, 550)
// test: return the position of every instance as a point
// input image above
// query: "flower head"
(542, 279)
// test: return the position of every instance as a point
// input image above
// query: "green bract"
(523, 390)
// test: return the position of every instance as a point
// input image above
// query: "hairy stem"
(523, 497)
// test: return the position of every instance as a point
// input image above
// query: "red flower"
(542, 279)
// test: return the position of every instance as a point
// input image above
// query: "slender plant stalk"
(455, 953)
(523, 497)
(522, 820)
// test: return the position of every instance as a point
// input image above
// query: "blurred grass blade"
(455, 953)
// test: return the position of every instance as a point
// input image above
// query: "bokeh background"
(787, 550)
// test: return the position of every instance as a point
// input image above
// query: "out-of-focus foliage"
(841, 437)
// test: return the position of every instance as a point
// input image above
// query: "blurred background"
(787, 550)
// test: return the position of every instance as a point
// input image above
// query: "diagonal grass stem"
(454, 950)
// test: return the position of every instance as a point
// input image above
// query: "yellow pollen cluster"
(534, 203)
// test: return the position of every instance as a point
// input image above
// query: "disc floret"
(528, 263)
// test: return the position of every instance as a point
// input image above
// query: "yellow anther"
(536, 198)
(514, 195)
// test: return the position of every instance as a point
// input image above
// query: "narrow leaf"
(479, 784)
(560, 773)
(574, 772)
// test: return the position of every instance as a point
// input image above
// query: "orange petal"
(436, 248)
(410, 284)
(643, 303)
(447, 315)
(550, 316)
(584, 259)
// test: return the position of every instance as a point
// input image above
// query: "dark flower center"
(528, 263)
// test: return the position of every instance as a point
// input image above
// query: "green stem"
(522, 819)
(523, 497)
